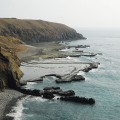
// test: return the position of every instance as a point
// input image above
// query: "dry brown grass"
(33, 24)
(12, 43)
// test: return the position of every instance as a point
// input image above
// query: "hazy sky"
(75, 13)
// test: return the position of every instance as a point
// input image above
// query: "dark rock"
(23, 83)
(87, 69)
(30, 92)
(78, 50)
(78, 99)
(67, 93)
(37, 92)
(94, 65)
(2, 85)
(49, 88)
(90, 55)
(48, 95)
(78, 46)
(36, 80)
(53, 90)
(77, 78)
(62, 81)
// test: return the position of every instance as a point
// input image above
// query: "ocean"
(102, 84)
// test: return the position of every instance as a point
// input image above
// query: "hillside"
(34, 31)
(12, 44)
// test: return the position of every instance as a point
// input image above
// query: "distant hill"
(34, 31)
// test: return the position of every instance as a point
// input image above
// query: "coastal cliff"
(35, 31)
(10, 73)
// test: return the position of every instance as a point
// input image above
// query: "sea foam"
(17, 110)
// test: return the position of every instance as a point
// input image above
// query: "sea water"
(102, 84)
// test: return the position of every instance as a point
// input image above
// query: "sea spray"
(16, 111)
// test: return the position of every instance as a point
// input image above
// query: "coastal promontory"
(35, 31)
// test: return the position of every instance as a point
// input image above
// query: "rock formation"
(78, 99)
(10, 73)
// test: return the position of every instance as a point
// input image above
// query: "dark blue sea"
(102, 84)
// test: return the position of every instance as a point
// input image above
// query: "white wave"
(56, 97)
(16, 111)
(64, 49)
(68, 57)
(94, 70)
(101, 66)
(38, 99)
(31, 83)
(81, 73)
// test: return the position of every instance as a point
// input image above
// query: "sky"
(74, 13)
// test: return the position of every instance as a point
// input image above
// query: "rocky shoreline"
(8, 98)
(61, 78)
(51, 92)
(53, 67)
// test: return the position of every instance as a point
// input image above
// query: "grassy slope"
(12, 43)
(33, 24)
(36, 30)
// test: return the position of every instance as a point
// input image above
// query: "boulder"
(78, 99)
(53, 90)
(49, 88)
(87, 69)
(77, 78)
(62, 81)
(92, 66)
(36, 80)
(48, 95)
(67, 93)
(30, 92)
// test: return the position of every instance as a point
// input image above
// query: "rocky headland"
(44, 43)
(36, 31)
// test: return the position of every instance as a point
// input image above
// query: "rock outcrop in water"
(51, 92)
(35, 31)
(78, 99)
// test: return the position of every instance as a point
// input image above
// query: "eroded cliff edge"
(10, 73)
(35, 31)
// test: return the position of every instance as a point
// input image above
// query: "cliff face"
(10, 73)
(34, 31)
